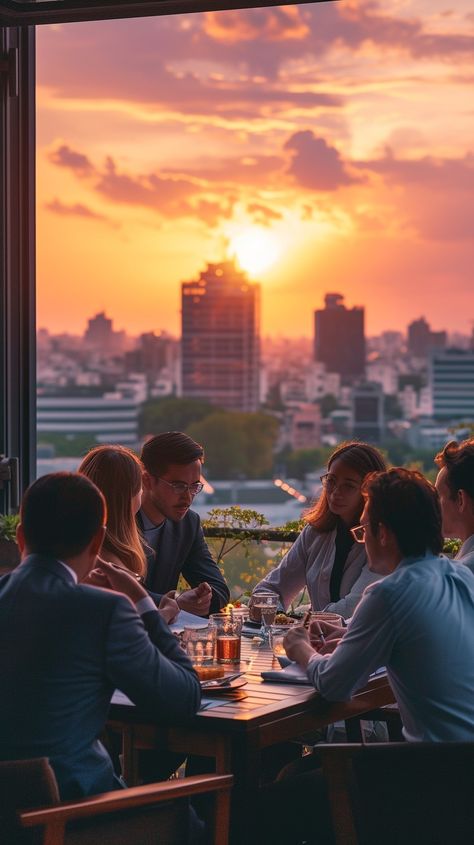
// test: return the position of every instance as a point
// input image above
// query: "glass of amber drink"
(228, 632)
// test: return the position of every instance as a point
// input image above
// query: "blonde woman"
(117, 472)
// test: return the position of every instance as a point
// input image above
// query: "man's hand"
(168, 607)
(197, 601)
(298, 646)
(112, 577)
(324, 636)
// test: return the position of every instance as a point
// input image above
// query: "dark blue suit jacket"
(64, 649)
(182, 549)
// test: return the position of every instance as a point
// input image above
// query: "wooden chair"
(143, 815)
(389, 714)
(398, 793)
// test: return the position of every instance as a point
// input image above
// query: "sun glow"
(255, 249)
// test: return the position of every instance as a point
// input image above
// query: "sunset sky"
(330, 146)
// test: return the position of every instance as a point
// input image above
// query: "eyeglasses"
(181, 486)
(358, 532)
(345, 487)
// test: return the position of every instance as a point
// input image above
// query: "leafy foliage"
(172, 414)
(8, 525)
(237, 444)
(451, 546)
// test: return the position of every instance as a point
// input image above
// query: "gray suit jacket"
(466, 553)
(182, 549)
(64, 648)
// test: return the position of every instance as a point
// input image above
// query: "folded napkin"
(291, 674)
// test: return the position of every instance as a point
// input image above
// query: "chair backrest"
(401, 792)
(24, 784)
(142, 815)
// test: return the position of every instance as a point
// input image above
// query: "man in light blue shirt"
(455, 486)
(418, 621)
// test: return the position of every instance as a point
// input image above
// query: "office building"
(452, 384)
(107, 418)
(100, 334)
(220, 345)
(339, 340)
(421, 340)
(367, 418)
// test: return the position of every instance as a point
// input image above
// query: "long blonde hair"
(117, 472)
(360, 457)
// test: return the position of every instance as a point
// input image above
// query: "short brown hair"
(458, 458)
(171, 447)
(406, 502)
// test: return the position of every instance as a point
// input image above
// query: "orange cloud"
(75, 210)
(283, 23)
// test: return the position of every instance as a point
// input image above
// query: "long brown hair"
(117, 472)
(360, 457)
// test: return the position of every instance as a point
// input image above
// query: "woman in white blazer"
(325, 559)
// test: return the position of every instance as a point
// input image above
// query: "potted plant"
(9, 551)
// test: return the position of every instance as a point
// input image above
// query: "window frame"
(18, 20)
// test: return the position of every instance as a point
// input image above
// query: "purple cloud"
(315, 164)
(65, 156)
(75, 210)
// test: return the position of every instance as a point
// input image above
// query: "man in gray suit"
(173, 538)
(455, 485)
(65, 646)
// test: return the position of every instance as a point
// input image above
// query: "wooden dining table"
(237, 734)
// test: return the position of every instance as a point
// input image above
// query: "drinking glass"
(199, 644)
(326, 616)
(267, 603)
(277, 634)
(228, 629)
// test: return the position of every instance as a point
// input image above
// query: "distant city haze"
(327, 147)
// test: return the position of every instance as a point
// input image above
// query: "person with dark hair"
(416, 621)
(65, 646)
(173, 537)
(455, 485)
(325, 558)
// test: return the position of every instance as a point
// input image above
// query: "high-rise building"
(367, 412)
(100, 334)
(339, 340)
(421, 339)
(452, 384)
(220, 342)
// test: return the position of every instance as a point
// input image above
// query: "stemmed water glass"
(267, 603)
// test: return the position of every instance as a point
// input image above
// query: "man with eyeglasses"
(173, 536)
(417, 621)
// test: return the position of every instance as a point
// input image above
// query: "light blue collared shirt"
(419, 623)
(465, 554)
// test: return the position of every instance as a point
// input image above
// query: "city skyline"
(332, 140)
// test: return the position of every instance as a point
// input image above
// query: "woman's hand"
(110, 576)
(168, 607)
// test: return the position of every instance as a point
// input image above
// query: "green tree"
(301, 461)
(172, 414)
(327, 404)
(237, 444)
(67, 445)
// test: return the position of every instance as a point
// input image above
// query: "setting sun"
(255, 249)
